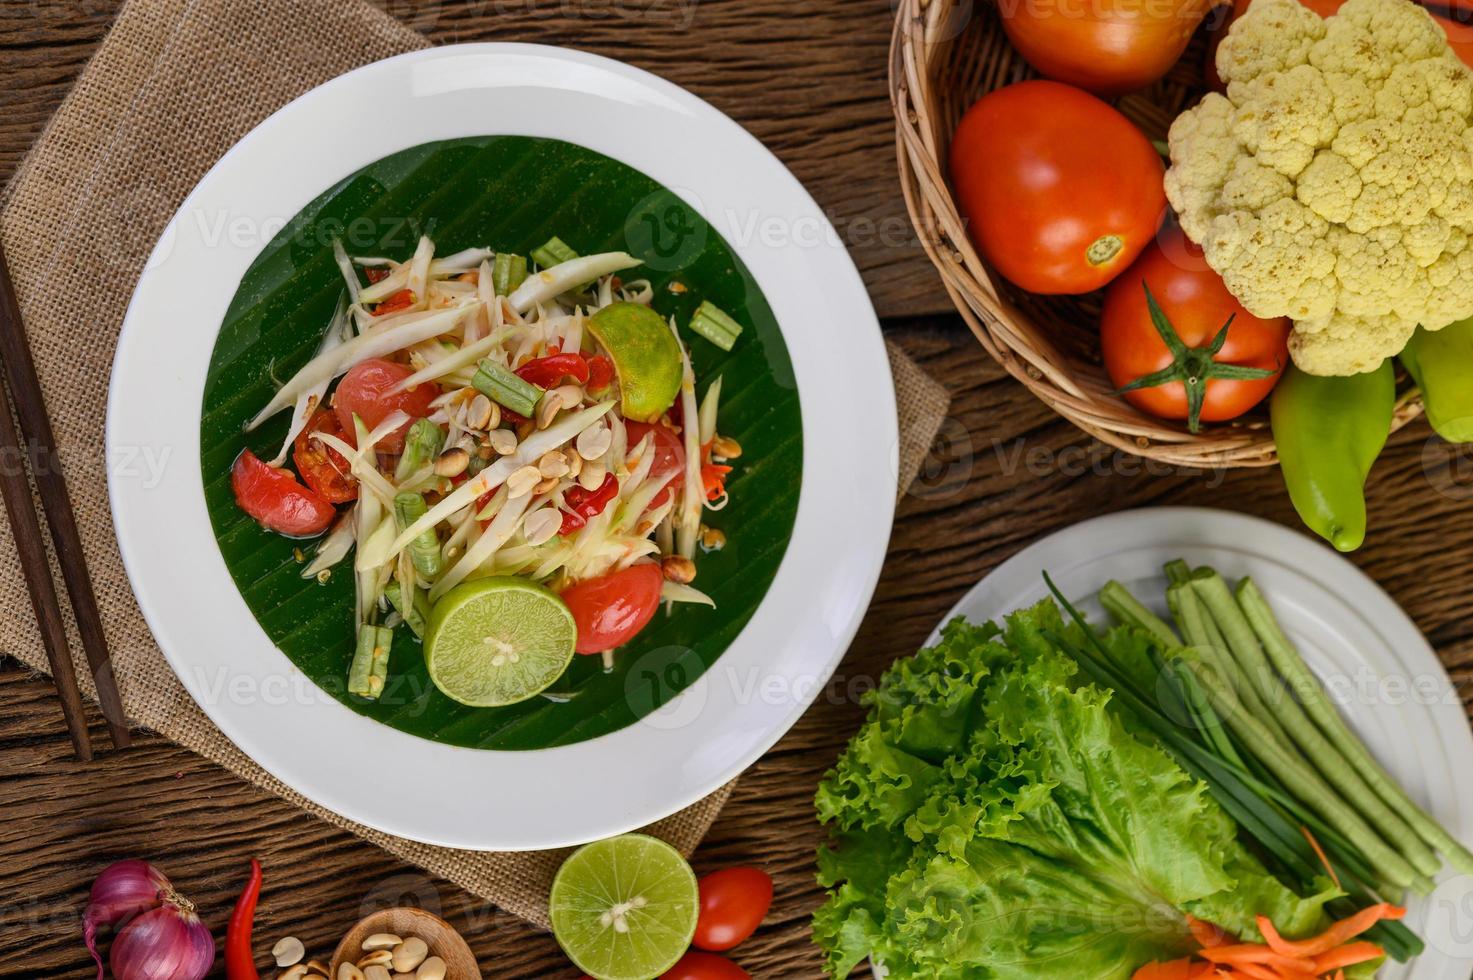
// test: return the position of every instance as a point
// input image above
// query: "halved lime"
(499, 640)
(646, 358)
(625, 908)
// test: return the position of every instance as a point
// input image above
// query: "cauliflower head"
(1333, 183)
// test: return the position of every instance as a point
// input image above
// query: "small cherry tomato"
(612, 608)
(733, 904)
(705, 966)
(323, 468)
(1196, 305)
(669, 454)
(1060, 190)
(275, 498)
(367, 390)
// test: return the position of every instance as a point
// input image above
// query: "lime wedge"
(646, 358)
(625, 908)
(497, 641)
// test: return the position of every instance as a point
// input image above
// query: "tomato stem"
(1192, 367)
(1103, 249)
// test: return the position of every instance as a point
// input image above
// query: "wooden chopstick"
(46, 469)
(27, 531)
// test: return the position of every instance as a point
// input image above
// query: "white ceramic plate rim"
(1421, 744)
(757, 689)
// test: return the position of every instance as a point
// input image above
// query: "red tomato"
(367, 390)
(1060, 190)
(610, 609)
(1197, 303)
(1105, 46)
(733, 902)
(705, 966)
(323, 468)
(275, 498)
(669, 453)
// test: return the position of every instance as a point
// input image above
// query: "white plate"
(465, 797)
(1400, 699)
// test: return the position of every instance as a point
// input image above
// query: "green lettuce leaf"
(997, 817)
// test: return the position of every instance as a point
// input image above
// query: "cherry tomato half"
(733, 903)
(275, 498)
(705, 966)
(1060, 190)
(367, 390)
(669, 453)
(612, 608)
(323, 468)
(1197, 304)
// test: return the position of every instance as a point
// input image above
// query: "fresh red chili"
(583, 504)
(376, 274)
(240, 962)
(600, 372)
(549, 372)
(713, 477)
(402, 300)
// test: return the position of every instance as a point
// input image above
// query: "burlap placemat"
(175, 84)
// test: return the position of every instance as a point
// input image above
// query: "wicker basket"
(945, 54)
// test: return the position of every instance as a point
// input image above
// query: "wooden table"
(808, 79)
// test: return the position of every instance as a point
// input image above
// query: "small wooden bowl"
(443, 940)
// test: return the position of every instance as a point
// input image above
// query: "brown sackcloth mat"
(175, 84)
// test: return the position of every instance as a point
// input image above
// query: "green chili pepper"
(1441, 363)
(1329, 431)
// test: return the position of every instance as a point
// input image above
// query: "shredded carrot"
(1322, 957)
(1341, 932)
(1257, 953)
(1206, 934)
(1347, 955)
(1320, 852)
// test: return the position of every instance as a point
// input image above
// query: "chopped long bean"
(713, 323)
(370, 668)
(416, 612)
(421, 445)
(554, 252)
(508, 271)
(424, 550)
(506, 389)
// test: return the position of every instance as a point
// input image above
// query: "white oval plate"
(465, 797)
(1380, 668)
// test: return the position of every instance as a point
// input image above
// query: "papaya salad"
(512, 451)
